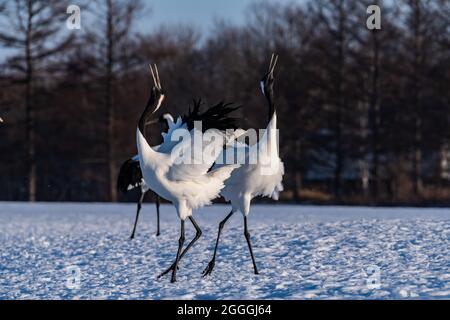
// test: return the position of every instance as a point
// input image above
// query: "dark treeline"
(364, 115)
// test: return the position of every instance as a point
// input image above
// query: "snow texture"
(303, 252)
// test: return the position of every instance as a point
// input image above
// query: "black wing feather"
(216, 117)
(130, 176)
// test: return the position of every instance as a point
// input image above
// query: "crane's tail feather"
(130, 176)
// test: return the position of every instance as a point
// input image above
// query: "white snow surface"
(303, 252)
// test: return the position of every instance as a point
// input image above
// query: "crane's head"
(154, 102)
(267, 81)
(157, 93)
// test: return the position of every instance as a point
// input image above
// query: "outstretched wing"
(130, 175)
(169, 139)
(188, 160)
(193, 157)
(216, 117)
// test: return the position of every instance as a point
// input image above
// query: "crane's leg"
(247, 236)
(197, 236)
(139, 206)
(198, 233)
(157, 215)
(208, 270)
(180, 246)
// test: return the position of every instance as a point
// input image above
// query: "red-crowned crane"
(187, 185)
(263, 178)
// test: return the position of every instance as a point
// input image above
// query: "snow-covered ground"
(302, 252)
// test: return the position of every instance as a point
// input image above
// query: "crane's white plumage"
(187, 186)
(172, 126)
(263, 178)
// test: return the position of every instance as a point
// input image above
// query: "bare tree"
(418, 23)
(111, 39)
(371, 66)
(334, 20)
(33, 29)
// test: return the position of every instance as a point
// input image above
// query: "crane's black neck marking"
(164, 123)
(272, 108)
(267, 85)
(151, 106)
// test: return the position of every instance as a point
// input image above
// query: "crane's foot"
(171, 268)
(255, 269)
(209, 268)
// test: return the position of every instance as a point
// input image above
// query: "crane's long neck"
(271, 129)
(268, 144)
(267, 89)
(143, 145)
(271, 105)
(151, 105)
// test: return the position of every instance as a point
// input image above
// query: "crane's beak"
(267, 80)
(272, 65)
(155, 76)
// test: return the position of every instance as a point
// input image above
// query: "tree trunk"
(109, 101)
(374, 115)
(298, 174)
(339, 103)
(417, 87)
(417, 158)
(29, 109)
(338, 164)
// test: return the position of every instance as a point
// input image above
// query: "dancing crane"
(263, 178)
(187, 185)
